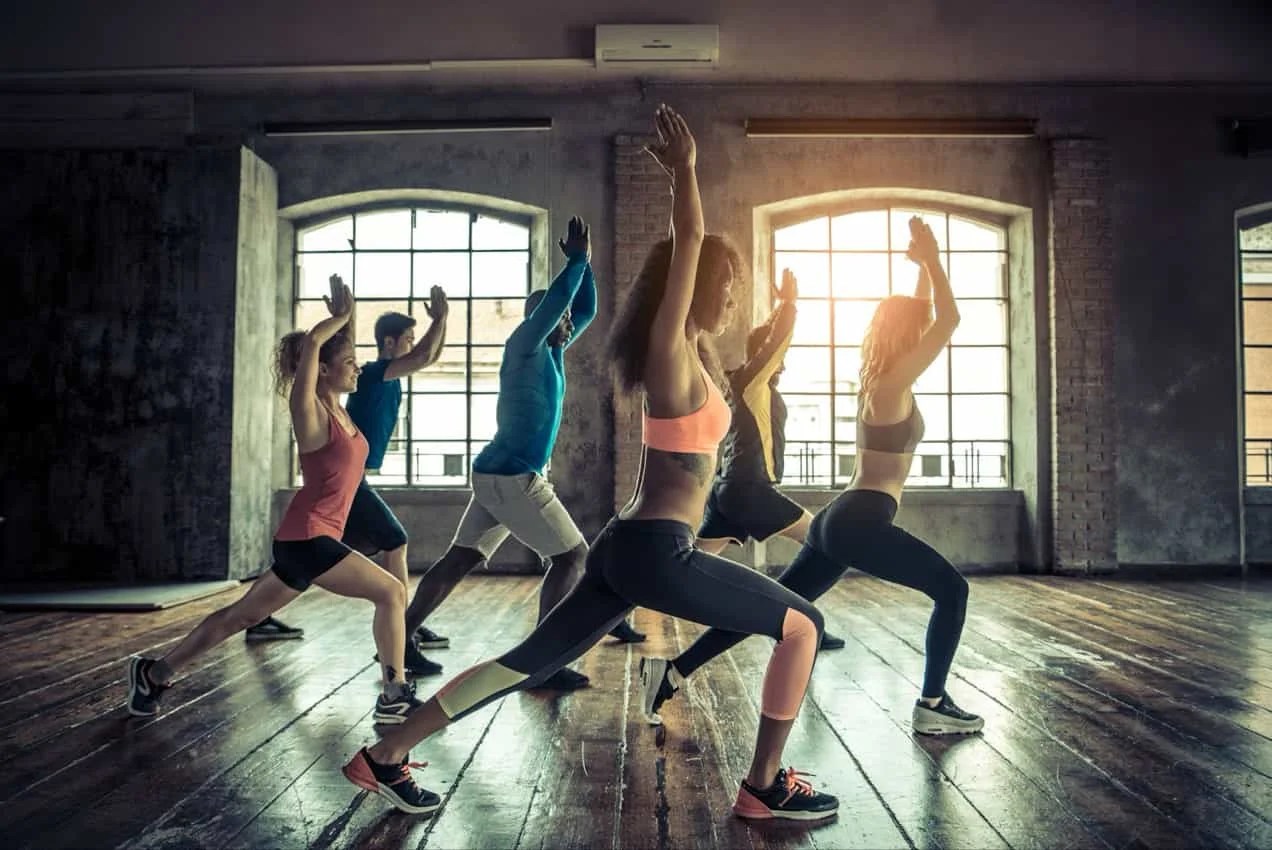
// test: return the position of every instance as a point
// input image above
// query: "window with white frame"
(1254, 244)
(391, 258)
(846, 262)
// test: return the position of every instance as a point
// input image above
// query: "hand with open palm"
(675, 149)
(340, 301)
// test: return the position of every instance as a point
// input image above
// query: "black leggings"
(856, 530)
(653, 564)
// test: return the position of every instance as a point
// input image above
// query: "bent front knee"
(389, 595)
(803, 623)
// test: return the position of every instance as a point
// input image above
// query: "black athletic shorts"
(298, 562)
(372, 527)
(737, 510)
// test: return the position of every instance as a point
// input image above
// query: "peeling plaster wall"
(255, 337)
(119, 378)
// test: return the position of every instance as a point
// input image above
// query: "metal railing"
(1258, 462)
(964, 463)
(807, 463)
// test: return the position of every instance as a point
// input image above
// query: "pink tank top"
(699, 432)
(330, 477)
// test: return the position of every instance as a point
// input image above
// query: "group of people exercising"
(712, 450)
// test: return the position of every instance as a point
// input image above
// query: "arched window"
(391, 258)
(1254, 268)
(846, 261)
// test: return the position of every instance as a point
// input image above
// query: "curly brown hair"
(719, 263)
(287, 357)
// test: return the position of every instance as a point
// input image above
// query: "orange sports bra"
(699, 432)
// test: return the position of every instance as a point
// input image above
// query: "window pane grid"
(1254, 273)
(1255, 317)
(412, 459)
(966, 456)
(413, 250)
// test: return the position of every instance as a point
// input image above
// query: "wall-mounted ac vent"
(666, 44)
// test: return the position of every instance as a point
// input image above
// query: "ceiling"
(70, 43)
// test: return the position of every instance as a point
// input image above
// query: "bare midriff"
(882, 471)
(671, 486)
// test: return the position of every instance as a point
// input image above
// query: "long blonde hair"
(896, 327)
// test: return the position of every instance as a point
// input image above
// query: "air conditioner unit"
(664, 44)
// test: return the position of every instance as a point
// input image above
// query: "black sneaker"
(830, 641)
(416, 663)
(945, 719)
(392, 712)
(271, 629)
(565, 679)
(656, 687)
(790, 797)
(393, 782)
(624, 633)
(143, 692)
(426, 638)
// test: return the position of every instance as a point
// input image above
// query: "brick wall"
(1084, 434)
(642, 209)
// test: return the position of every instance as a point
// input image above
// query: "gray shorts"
(524, 506)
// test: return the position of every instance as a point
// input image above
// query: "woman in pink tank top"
(313, 369)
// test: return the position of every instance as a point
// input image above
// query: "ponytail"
(287, 361)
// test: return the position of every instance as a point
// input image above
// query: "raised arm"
(583, 308)
(908, 368)
(546, 316)
(923, 287)
(757, 370)
(429, 346)
(304, 398)
(668, 378)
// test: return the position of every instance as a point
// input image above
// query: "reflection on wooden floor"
(1119, 715)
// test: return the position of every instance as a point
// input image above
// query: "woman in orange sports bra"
(318, 366)
(856, 530)
(645, 556)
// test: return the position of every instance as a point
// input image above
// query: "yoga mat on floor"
(141, 597)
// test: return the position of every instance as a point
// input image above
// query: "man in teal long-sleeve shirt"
(509, 492)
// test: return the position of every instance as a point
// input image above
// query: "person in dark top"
(744, 502)
(856, 529)
(374, 407)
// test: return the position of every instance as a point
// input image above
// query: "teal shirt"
(532, 376)
(374, 407)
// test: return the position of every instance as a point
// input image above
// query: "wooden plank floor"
(1120, 714)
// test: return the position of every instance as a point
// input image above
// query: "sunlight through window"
(391, 259)
(1254, 243)
(845, 265)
